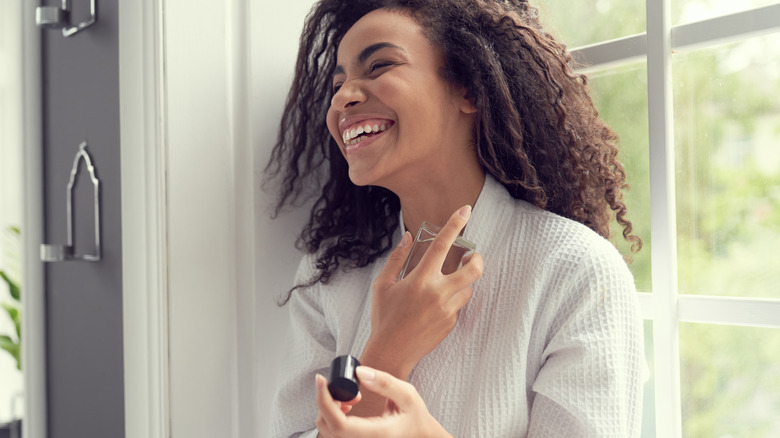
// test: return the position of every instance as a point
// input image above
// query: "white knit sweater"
(550, 345)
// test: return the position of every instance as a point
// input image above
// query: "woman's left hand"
(404, 415)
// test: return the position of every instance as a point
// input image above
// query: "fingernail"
(465, 211)
(320, 381)
(365, 374)
(405, 240)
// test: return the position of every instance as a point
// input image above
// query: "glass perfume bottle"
(459, 250)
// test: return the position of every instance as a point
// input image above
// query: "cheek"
(333, 125)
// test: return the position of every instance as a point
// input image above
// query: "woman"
(416, 110)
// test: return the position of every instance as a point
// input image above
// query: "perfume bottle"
(459, 250)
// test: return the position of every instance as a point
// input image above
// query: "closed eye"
(377, 65)
(373, 69)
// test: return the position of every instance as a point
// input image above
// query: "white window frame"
(665, 306)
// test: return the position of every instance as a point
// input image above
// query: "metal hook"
(58, 253)
(53, 17)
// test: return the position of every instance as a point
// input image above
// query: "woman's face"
(397, 121)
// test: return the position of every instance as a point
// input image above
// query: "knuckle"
(447, 309)
(451, 322)
(383, 382)
(442, 307)
(378, 287)
(408, 394)
(475, 271)
(423, 285)
(338, 427)
(467, 293)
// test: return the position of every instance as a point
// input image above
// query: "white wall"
(11, 382)
(219, 262)
(275, 29)
(228, 262)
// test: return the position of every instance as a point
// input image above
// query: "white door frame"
(144, 219)
(187, 219)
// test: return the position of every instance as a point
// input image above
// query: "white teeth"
(350, 135)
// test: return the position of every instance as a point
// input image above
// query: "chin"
(360, 180)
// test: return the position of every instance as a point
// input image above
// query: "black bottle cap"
(343, 384)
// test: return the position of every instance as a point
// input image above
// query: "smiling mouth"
(364, 131)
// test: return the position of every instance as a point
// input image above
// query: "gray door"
(84, 299)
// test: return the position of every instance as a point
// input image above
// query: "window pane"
(620, 94)
(11, 378)
(648, 414)
(579, 23)
(727, 132)
(689, 11)
(730, 381)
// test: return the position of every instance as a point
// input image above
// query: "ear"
(464, 101)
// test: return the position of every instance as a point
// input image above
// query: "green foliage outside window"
(727, 190)
(13, 344)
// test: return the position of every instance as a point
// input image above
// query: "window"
(693, 89)
(11, 379)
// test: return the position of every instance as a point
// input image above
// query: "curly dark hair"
(536, 129)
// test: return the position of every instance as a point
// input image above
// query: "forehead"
(381, 25)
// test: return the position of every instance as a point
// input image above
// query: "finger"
(470, 272)
(434, 257)
(461, 281)
(330, 412)
(395, 262)
(332, 421)
(347, 405)
(401, 393)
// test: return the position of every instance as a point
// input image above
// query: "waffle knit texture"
(550, 344)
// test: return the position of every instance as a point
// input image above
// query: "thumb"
(395, 262)
(400, 392)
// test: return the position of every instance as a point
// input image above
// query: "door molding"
(144, 218)
(211, 188)
(188, 188)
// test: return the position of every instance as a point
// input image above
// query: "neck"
(435, 201)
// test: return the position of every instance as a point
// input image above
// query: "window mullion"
(662, 217)
(751, 312)
(612, 53)
(732, 27)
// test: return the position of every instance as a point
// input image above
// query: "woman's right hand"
(409, 318)
(404, 413)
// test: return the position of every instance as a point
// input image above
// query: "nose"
(349, 94)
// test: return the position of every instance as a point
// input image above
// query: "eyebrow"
(368, 51)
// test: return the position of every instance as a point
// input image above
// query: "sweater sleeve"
(310, 347)
(592, 377)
